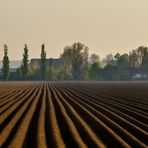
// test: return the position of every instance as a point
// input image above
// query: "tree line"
(75, 63)
(23, 72)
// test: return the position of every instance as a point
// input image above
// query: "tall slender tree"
(25, 63)
(5, 67)
(43, 62)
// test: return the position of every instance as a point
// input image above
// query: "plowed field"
(73, 114)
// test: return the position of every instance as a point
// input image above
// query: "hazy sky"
(105, 26)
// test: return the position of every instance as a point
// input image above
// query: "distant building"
(35, 63)
(13, 68)
(139, 76)
(13, 64)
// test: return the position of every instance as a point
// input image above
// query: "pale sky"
(105, 26)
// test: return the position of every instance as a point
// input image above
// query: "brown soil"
(73, 114)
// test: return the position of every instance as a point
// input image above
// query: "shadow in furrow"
(4, 124)
(48, 131)
(31, 136)
(15, 128)
(100, 131)
(64, 128)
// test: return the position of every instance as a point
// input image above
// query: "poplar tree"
(5, 67)
(43, 62)
(25, 63)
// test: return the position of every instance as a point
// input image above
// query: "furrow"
(10, 112)
(4, 135)
(98, 126)
(121, 107)
(117, 112)
(69, 130)
(21, 128)
(31, 138)
(55, 134)
(41, 137)
(9, 98)
(102, 113)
